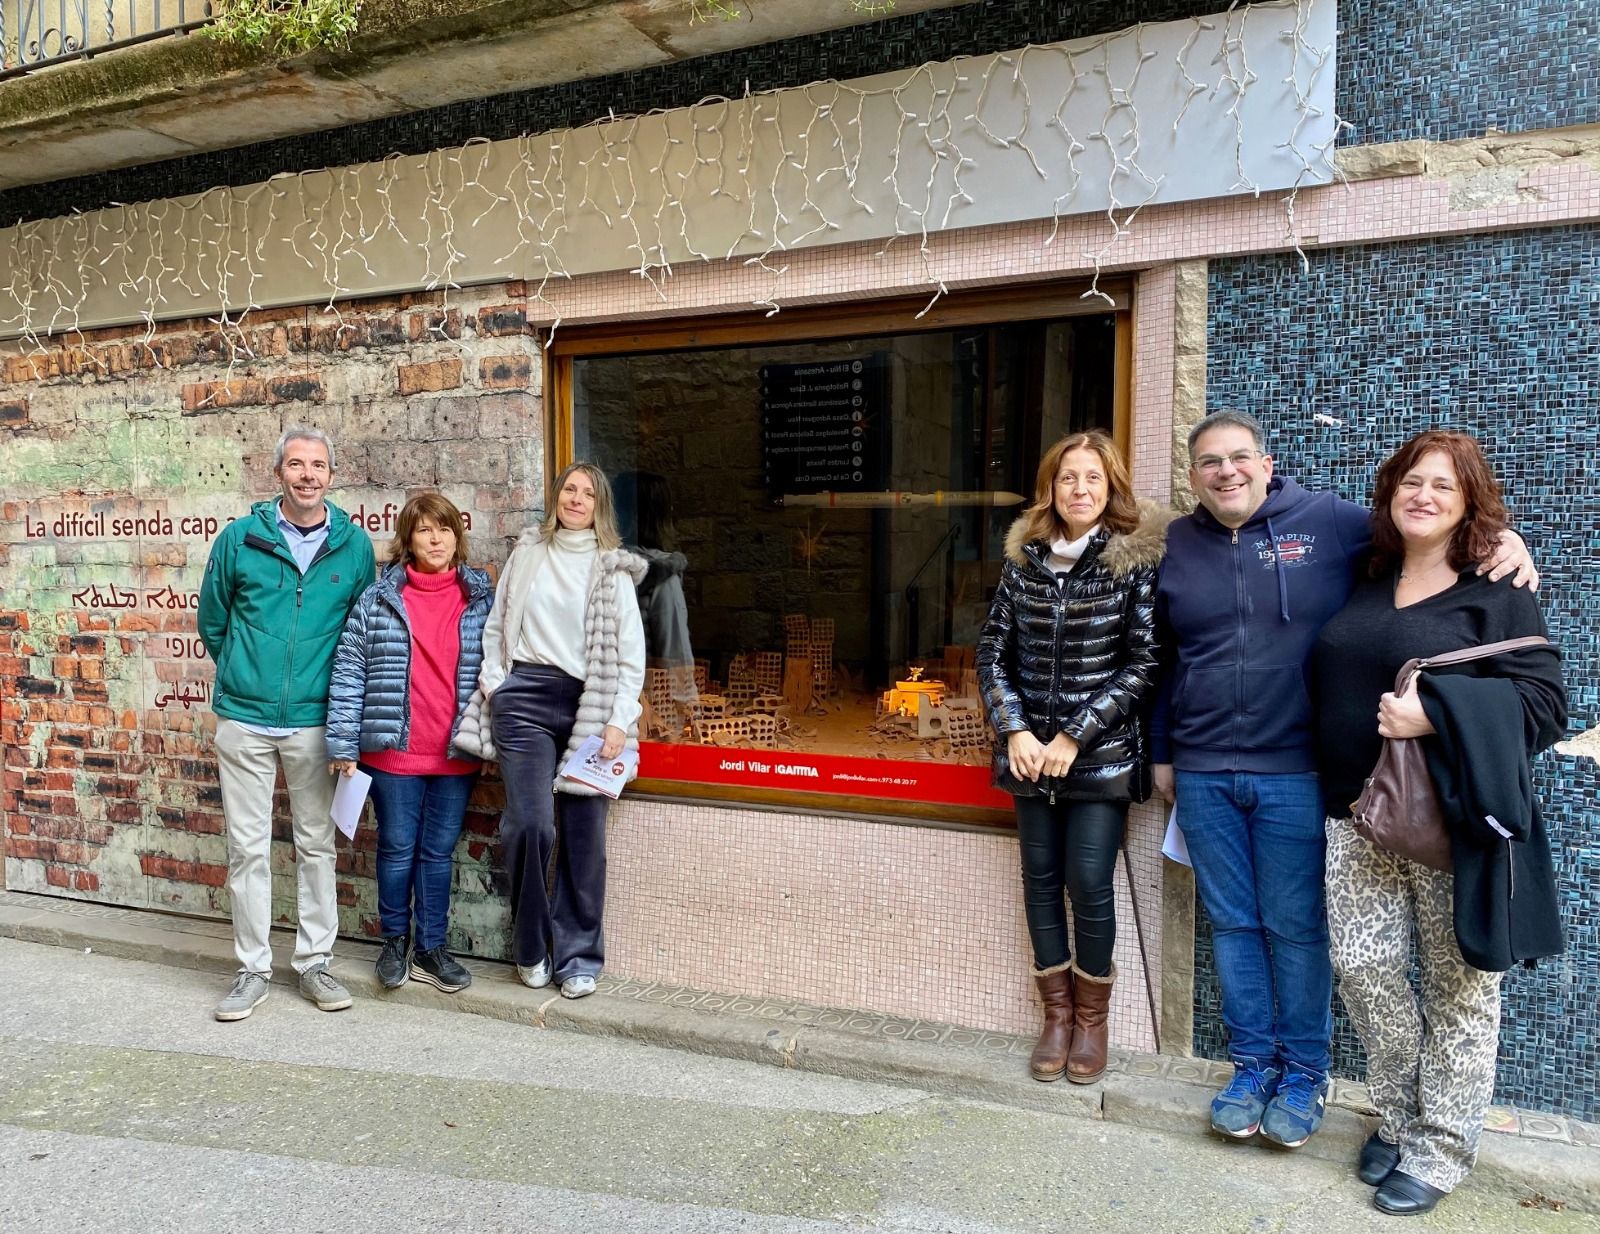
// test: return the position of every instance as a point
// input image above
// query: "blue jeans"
(419, 822)
(1257, 844)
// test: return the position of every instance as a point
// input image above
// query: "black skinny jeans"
(1070, 846)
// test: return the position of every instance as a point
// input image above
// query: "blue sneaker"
(1295, 1111)
(1236, 1111)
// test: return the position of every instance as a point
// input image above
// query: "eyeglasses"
(1210, 464)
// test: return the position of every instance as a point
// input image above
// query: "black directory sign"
(822, 425)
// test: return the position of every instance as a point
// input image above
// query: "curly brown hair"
(1122, 510)
(1475, 537)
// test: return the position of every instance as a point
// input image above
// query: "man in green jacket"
(278, 587)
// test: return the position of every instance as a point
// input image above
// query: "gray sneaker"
(246, 993)
(319, 986)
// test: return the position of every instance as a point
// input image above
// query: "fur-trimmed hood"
(1123, 553)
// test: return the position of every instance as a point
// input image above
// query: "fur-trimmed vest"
(1076, 655)
(600, 629)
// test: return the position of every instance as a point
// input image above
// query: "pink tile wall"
(1362, 212)
(912, 921)
(1154, 348)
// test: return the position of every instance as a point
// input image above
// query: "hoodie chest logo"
(1293, 549)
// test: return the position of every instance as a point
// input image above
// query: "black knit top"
(1362, 647)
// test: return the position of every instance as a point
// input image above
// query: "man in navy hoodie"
(1248, 581)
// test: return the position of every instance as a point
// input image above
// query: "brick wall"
(122, 458)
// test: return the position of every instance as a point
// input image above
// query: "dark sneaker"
(318, 985)
(439, 968)
(1236, 1111)
(394, 962)
(243, 997)
(1295, 1111)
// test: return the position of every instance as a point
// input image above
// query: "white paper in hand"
(1173, 846)
(604, 775)
(349, 795)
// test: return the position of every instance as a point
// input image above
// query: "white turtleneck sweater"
(551, 631)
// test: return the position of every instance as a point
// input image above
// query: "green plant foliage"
(286, 27)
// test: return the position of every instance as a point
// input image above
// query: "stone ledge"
(187, 94)
(1472, 156)
(1524, 1155)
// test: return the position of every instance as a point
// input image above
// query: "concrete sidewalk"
(1540, 1159)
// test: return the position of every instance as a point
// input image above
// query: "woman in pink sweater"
(406, 666)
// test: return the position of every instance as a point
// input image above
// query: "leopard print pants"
(1430, 1067)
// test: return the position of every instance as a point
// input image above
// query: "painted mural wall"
(122, 460)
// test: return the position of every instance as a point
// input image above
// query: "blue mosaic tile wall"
(1494, 335)
(1407, 68)
(1442, 70)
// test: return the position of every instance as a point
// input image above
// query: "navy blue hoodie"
(1237, 613)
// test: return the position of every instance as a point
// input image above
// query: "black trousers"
(1072, 847)
(532, 712)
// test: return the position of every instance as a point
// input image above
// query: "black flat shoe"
(1404, 1196)
(1378, 1160)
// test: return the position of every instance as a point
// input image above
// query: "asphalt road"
(125, 1107)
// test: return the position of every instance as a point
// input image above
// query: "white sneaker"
(535, 976)
(577, 987)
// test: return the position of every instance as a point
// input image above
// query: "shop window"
(825, 522)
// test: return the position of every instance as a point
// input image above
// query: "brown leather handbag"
(1398, 809)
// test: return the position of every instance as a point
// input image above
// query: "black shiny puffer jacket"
(1077, 656)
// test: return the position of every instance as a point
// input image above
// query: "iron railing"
(36, 33)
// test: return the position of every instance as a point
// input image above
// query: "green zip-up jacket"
(271, 630)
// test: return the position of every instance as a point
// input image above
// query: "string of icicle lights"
(645, 182)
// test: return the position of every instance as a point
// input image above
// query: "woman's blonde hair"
(605, 506)
(1122, 510)
(442, 511)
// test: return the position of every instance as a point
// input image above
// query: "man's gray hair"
(299, 433)
(1228, 417)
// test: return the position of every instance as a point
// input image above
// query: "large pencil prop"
(883, 501)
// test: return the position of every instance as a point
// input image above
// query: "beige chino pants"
(247, 765)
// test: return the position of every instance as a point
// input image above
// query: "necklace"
(1431, 569)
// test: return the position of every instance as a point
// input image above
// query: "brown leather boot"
(1049, 1059)
(1086, 1062)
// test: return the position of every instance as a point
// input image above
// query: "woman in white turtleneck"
(563, 659)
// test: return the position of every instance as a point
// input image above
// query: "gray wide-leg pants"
(533, 711)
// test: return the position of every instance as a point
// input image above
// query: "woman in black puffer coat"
(1065, 661)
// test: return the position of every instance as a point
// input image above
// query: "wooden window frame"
(818, 323)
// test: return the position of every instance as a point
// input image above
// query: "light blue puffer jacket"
(369, 702)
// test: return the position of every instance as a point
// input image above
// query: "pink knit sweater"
(434, 603)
